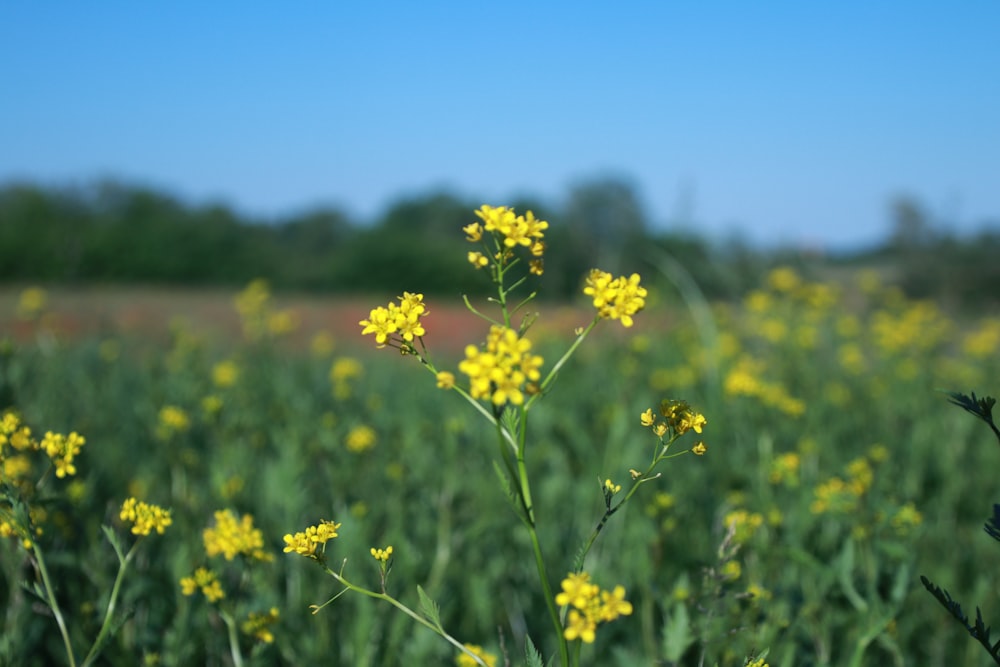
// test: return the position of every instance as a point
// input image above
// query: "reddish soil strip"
(149, 312)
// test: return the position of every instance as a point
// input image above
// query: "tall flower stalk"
(505, 378)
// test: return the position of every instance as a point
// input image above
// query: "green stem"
(479, 408)
(234, 639)
(53, 605)
(525, 493)
(559, 364)
(406, 610)
(112, 603)
(576, 653)
(647, 476)
(550, 600)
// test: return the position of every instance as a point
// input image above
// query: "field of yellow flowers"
(214, 501)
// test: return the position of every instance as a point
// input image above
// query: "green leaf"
(115, 542)
(844, 566)
(531, 655)
(677, 636)
(901, 584)
(508, 491)
(429, 608)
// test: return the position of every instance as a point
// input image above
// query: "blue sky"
(787, 122)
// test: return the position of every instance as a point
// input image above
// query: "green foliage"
(829, 584)
(115, 233)
(983, 409)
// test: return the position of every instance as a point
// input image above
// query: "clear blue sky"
(795, 122)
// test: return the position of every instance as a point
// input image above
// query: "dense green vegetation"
(115, 233)
(840, 470)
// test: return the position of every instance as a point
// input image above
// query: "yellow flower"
(615, 298)
(360, 438)
(501, 372)
(258, 626)
(614, 604)
(647, 418)
(145, 518)
(306, 542)
(731, 570)
(205, 580)
(400, 321)
(591, 606)
(225, 373)
(62, 450)
(381, 555)
(465, 660)
(478, 259)
(473, 232)
(783, 279)
(445, 380)
(231, 537)
(31, 303)
(173, 420)
(699, 448)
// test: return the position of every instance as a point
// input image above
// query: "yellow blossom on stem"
(501, 371)
(62, 450)
(259, 626)
(478, 259)
(381, 555)
(206, 581)
(145, 518)
(473, 232)
(232, 537)
(306, 542)
(360, 438)
(615, 298)
(397, 324)
(590, 606)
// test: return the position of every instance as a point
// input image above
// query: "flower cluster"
(743, 524)
(500, 372)
(225, 374)
(381, 555)
(509, 231)
(590, 606)
(306, 542)
(397, 325)
(31, 303)
(257, 314)
(231, 537)
(62, 449)
(206, 581)
(14, 465)
(675, 419)
(259, 626)
(360, 438)
(615, 298)
(172, 421)
(145, 518)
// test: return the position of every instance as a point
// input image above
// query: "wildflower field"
(638, 478)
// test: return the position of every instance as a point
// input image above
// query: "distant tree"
(605, 219)
(911, 225)
(438, 215)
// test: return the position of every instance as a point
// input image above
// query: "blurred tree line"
(116, 233)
